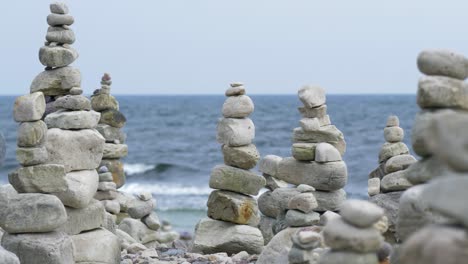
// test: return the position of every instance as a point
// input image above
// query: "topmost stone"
(443, 63)
(312, 96)
(59, 8)
(236, 84)
(393, 121)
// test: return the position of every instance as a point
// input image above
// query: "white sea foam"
(165, 189)
(137, 168)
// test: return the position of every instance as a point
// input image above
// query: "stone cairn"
(306, 247)
(352, 237)
(51, 216)
(110, 125)
(232, 211)
(388, 181)
(438, 219)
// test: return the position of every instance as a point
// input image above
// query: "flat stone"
(425, 170)
(7, 257)
(107, 186)
(398, 163)
(329, 201)
(329, 176)
(59, 20)
(361, 213)
(212, 236)
(390, 203)
(60, 35)
(113, 118)
(39, 179)
(115, 151)
(111, 134)
(316, 112)
(105, 177)
(238, 107)
(138, 209)
(84, 219)
(393, 121)
(276, 252)
(82, 186)
(373, 186)
(304, 151)
(137, 230)
(335, 257)
(325, 152)
(390, 150)
(235, 91)
(233, 207)
(394, 134)
(312, 96)
(50, 248)
(329, 134)
(275, 203)
(442, 92)
(339, 235)
(104, 102)
(272, 183)
(443, 63)
(31, 156)
(77, 150)
(269, 164)
(297, 218)
(58, 8)
(235, 132)
(97, 246)
(111, 206)
(395, 181)
(314, 124)
(57, 56)
(72, 119)
(233, 179)
(57, 81)
(30, 107)
(116, 168)
(31, 213)
(76, 91)
(73, 102)
(304, 202)
(31, 134)
(245, 157)
(152, 221)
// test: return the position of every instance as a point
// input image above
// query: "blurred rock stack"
(52, 216)
(440, 213)
(232, 211)
(110, 127)
(353, 237)
(307, 247)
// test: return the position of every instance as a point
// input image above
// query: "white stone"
(325, 152)
(82, 185)
(72, 119)
(238, 107)
(235, 132)
(443, 63)
(442, 92)
(312, 96)
(361, 213)
(115, 151)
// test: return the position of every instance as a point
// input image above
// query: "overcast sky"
(273, 46)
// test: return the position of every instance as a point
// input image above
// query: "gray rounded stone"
(237, 180)
(57, 81)
(442, 92)
(275, 203)
(295, 218)
(30, 107)
(393, 121)
(245, 157)
(58, 8)
(84, 219)
(233, 207)
(59, 20)
(97, 246)
(31, 156)
(60, 35)
(304, 202)
(235, 91)
(316, 112)
(425, 170)
(235, 132)
(269, 164)
(390, 150)
(361, 213)
(152, 221)
(373, 186)
(104, 102)
(82, 185)
(115, 151)
(395, 181)
(443, 63)
(138, 209)
(312, 96)
(329, 134)
(394, 134)
(329, 201)
(238, 107)
(57, 56)
(111, 134)
(73, 102)
(31, 134)
(113, 118)
(398, 163)
(68, 120)
(47, 178)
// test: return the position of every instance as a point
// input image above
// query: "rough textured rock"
(398, 163)
(394, 134)
(235, 91)
(82, 186)
(312, 96)
(361, 213)
(115, 151)
(39, 179)
(304, 202)
(443, 63)
(212, 236)
(57, 81)
(442, 92)
(58, 8)
(30, 107)
(392, 149)
(60, 19)
(111, 134)
(233, 207)
(297, 218)
(276, 252)
(50, 248)
(57, 56)
(73, 102)
(97, 246)
(72, 119)
(31, 156)
(152, 221)
(77, 150)
(275, 203)
(31, 134)
(102, 102)
(316, 112)
(329, 134)
(325, 152)
(137, 208)
(235, 132)
(373, 186)
(269, 164)
(245, 157)
(233, 179)
(395, 181)
(84, 219)
(60, 35)
(238, 106)
(303, 151)
(113, 118)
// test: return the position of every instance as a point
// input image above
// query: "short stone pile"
(232, 211)
(51, 216)
(110, 125)
(352, 237)
(394, 159)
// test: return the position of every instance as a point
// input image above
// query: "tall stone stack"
(352, 237)
(53, 218)
(110, 126)
(232, 211)
(443, 169)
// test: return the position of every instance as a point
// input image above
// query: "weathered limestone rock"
(50, 248)
(115, 151)
(273, 204)
(98, 246)
(113, 118)
(245, 157)
(361, 213)
(329, 134)
(303, 151)
(392, 149)
(57, 81)
(57, 56)
(102, 102)
(398, 163)
(138, 209)
(395, 181)
(60, 20)
(72, 119)
(442, 92)
(233, 179)
(312, 96)
(304, 202)
(235, 132)
(76, 150)
(295, 218)
(212, 236)
(394, 134)
(29, 107)
(31, 134)
(73, 102)
(238, 107)
(31, 156)
(84, 219)
(443, 63)
(60, 35)
(233, 207)
(39, 179)
(82, 186)
(325, 152)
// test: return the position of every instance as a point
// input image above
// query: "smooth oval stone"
(138, 209)
(245, 157)
(339, 235)
(233, 207)
(235, 132)
(297, 218)
(394, 134)
(443, 63)
(58, 8)
(104, 102)
(57, 56)
(361, 213)
(395, 181)
(304, 202)
(442, 92)
(237, 180)
(238, 107)
(398, 163)
(31, 156)
(31, 134)
(76, 91)
(30, 107)
(304, 151)
(60, 20)
(393, 121)
(390, 150)
(72, 119)
(325, 152)
(73, 102)
(312, 96)
(113, 118)
(269, 164)
(60, 35)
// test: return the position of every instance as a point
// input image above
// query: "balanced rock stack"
(110, 125)
(307, 247)
(394, 159)
(352, 237)
(53, 217)
(232, 211)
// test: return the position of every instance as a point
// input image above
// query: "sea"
(172, 142)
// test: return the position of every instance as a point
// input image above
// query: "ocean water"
(172, 142)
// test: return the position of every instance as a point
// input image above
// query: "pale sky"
(273, 46)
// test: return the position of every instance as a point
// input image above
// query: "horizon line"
(222, 94)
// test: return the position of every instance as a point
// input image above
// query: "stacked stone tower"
(232, 211)
(394, 159)
(352, 237)
(54, 218)
(110, 127)
(439, 136)
(306, 248)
